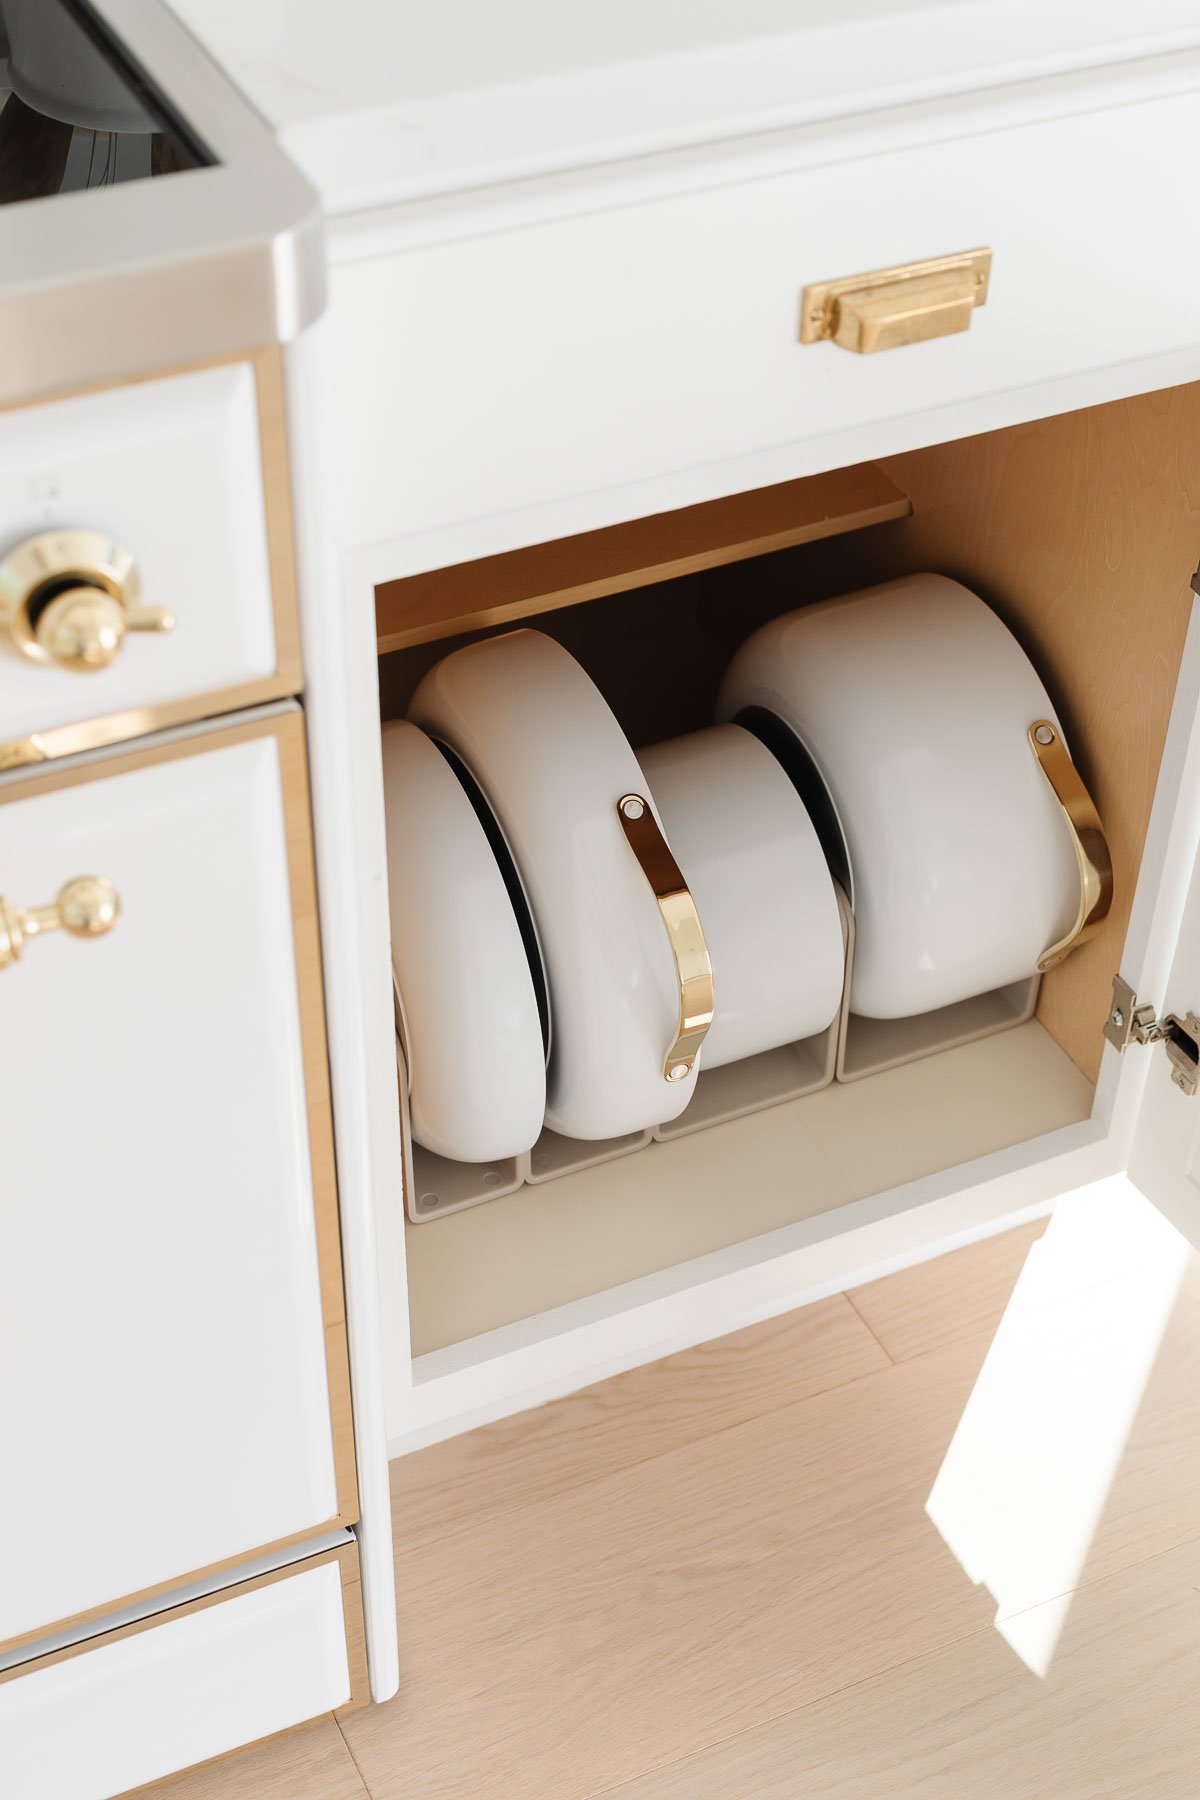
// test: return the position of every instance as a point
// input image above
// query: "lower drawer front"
(131, 1706)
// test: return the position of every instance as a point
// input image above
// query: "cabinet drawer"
(170, 1286)
(191, 1682)
(187, 474)
(639, 342)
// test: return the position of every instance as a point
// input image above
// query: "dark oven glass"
(76, 111)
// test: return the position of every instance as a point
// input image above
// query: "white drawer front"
(172, 470)
(199, 1683)
(647, 340)
(165, 1405)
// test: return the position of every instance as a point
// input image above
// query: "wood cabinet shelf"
(496, 590)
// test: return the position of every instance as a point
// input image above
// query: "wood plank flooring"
(310, 1764)
(934, 1540)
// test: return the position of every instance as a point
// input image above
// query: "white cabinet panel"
(165, 1404)
(141, 1705)
(172, 470)
(645, 340)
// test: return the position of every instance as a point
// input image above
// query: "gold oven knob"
(86, 907)
(69, 597)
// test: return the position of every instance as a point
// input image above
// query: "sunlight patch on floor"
(1024, 1482)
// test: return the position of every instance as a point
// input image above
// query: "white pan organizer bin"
(872, 855)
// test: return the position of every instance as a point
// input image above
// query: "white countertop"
(382, 101)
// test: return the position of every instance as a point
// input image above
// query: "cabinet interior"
(1082, 532)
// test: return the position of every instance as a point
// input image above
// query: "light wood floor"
(935, 1540)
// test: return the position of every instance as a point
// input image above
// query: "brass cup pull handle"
(68, 598)
(685, 934)
(87, 907)
(907, 304)
(1087, 838)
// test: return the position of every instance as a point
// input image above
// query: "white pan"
(918, 709)
(475, 1041)
(554, 764)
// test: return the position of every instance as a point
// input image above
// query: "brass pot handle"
(1087, 838)
(86, 907)
(685, 934)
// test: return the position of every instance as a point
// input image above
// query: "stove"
(76, 111)
(148, 218)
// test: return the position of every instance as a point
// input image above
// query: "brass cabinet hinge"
(1128, 1023)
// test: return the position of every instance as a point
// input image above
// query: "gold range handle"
(86, 907)
(907, 304)
(693, 965)
(1087, 838)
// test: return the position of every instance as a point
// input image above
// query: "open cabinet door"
(1162, 963)
(1164, 1160)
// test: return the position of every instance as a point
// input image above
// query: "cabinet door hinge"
(1128, 1023)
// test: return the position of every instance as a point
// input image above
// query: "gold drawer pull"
(903, 305)
(1087, 838)
(69, 597)
(693, 965)
(86, 907)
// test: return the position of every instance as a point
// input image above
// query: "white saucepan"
(761, 882)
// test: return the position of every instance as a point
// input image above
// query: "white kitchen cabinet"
(1081, 531)
(171, 1314)
(575, 303)
(515, 366)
